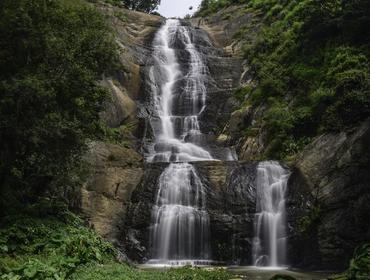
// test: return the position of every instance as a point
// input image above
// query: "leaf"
(30, 271)
(4, 248)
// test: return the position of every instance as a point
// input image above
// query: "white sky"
(177, 8)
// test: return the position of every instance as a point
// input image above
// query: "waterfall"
(179, 98)
(180, 222)
(269, 243)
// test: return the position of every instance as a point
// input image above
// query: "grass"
(114, 271)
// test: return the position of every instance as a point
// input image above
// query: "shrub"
(48, 247)
(316, 72)
(359, 268)
(51, 57)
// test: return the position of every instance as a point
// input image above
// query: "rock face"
(117, 170)
(115, 173)
(134, 32)
(230, 192)
(224, 25)
(223, 73)
(329, 192)
(329, 186)
(223, 28)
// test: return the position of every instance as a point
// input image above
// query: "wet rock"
(120, 108)
(331, 177)
(136, 233)
(282, 277)
(230, 204)
(221, 79)
(134, 32)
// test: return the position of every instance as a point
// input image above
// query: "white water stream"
(179, 97)
(269, 243)
(180, 222)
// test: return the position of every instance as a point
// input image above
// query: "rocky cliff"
(328, 205)
(329, 185)
(223, 28)
(118, 172)
(230, 192)
(327, 191)
(116, 168)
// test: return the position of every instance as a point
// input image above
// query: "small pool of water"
(258, 273)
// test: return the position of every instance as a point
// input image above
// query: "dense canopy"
(52, 53)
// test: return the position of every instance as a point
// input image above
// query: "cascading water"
(179, 98)
(269, 243)
(180, 222)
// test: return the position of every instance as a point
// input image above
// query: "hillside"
(237, 139)
(304, 98)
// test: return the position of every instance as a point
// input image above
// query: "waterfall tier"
(269, 242)
(179, 96)
(181, 227)
(180, 222)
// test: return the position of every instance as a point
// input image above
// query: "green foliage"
(359, 267)
(311, 61)
(211, 6)
(121, 16)
(146, 6)
(47, 242)
(52, 54)
(120, 135)
(142, 5)
(241, 93)
(114, 271)
(307, 223)
(50, 244)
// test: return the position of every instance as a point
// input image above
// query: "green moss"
(251, 131)
(241, 93)
(121, 16)
(308, 222)
(120, 135)
(340, 276)
(312, 61)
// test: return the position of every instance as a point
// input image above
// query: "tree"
(52, 54)
(142, 5)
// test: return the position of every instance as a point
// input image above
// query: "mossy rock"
(282, 277)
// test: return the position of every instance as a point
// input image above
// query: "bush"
(312, 72)
(241, 93)
(47, 242)
(308, 222)
(359, 268)
(48, 247)
(52, 54)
